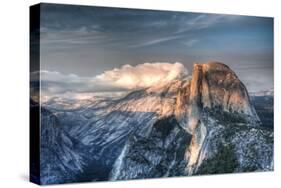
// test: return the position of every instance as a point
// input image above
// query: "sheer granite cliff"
(201, 124)
(214, 110)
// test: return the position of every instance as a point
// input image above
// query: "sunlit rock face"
(198, 124)
(214, 110)
(215, 85)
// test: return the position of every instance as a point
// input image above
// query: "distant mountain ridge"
(269, 92)
(263, 101)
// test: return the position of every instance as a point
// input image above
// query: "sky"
(87, 44)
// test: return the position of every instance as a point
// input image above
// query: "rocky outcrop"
(214, 110)
(61, 157)
(202, 124)
(159, 154)
(214, 85)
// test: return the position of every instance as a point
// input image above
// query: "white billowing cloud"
(142, 75)
(54, 76)
(125, 78)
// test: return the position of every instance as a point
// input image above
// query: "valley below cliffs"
(201, 124)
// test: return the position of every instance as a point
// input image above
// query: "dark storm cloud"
(90, 40)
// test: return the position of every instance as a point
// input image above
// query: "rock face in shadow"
(203, 124)
(159, 154)
(264, 105)
(62, 158)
